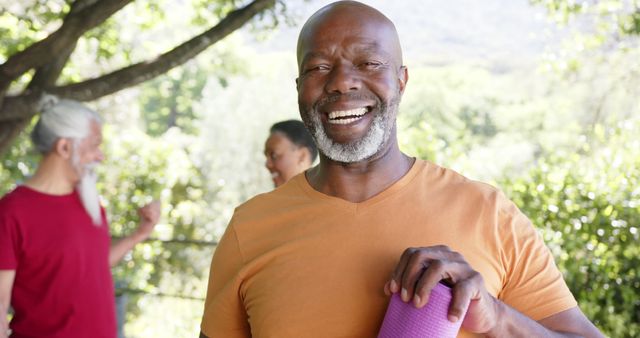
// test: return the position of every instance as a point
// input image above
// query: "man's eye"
(370, 64)
(317, 68)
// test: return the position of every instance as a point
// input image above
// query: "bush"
(587, 206)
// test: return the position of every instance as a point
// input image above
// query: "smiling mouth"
(347, 116)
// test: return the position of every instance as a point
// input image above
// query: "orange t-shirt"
(297, 263)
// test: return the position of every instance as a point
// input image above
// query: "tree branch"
(15, 115)
(140, 72)
(74, 25)
(48, 74)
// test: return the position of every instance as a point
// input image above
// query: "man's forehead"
(368, 47)
(95, 130)
(366, 26)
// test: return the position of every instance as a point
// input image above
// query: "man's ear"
(63, 147)
(403, 77)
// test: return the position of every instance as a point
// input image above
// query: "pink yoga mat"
(403, 320)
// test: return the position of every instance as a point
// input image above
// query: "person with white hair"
(55, 248)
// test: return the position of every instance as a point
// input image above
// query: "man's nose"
(343, 79)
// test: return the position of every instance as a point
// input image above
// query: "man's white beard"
(89, 194)
(359, 150)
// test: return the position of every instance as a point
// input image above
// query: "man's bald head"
(352, 16)
(351, 80)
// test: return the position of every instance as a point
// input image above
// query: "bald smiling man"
(320, 256)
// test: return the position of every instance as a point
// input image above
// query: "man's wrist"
(497, 327)
(138, 237)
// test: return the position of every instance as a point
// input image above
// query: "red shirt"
(63, 285)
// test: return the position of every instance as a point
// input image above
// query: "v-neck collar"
(397, 186)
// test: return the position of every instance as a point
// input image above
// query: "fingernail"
(453, 318)
(393, 286)
(416, 301)
(404, 295)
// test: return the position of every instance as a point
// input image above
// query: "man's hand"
(4, 326)
(420, 269)
(7, 277)
(149, 216)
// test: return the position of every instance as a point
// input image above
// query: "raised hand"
(149, 216)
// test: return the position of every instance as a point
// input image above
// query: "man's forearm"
(7, 278)
(121, 247)
(4, 325)
(512, 323)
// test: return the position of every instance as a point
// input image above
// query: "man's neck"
(51, 178)
(358, 182)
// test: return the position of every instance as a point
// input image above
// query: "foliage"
(138, 169)
(461, 116)
(588, 208)
(236, 121)
(587, 201)
(23, 23)
(444, 119)
(594, 31)
(17, 164)
(607, 18)
(85, 50)
(579, 185)
(140, 29)
(168, 100)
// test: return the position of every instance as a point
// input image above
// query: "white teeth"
(274, 175)
(343, 113)
(344, 121)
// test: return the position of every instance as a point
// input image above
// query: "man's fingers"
(462, 294)
(150, 211)
(387, 289)
(413, 271)
(431, 276)
(412, 262)
(396, 276)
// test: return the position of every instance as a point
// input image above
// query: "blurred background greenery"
(539, 98)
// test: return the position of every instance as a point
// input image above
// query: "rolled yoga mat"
(403, 320)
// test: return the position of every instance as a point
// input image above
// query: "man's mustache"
(334, 97)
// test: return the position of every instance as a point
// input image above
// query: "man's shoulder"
(288, 195)
(443, 180)
(13, 199)
(260, 214)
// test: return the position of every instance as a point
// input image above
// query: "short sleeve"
(534, 286)
(10, 239)
(224, 312)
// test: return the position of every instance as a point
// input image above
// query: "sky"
(437, 31)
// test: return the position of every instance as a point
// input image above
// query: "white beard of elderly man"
(55, 248)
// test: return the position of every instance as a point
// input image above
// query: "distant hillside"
(497, 33)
